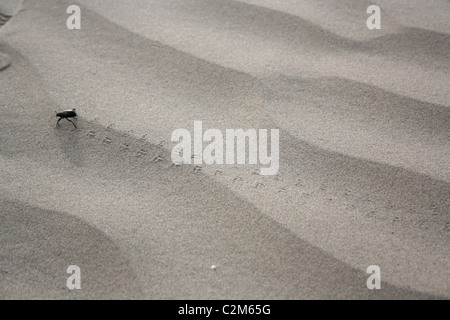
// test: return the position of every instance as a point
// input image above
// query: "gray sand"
(364, 150)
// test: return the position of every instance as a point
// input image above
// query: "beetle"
(66, 114)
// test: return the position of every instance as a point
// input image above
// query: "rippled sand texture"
(364, 149)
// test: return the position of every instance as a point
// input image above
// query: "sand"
(364, 173)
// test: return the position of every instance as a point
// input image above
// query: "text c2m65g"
(246, 309)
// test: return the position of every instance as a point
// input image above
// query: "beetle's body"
(66, 114)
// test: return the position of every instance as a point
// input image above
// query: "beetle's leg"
(71, 122)
(57, 122)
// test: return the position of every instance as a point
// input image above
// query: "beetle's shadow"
(70, 144)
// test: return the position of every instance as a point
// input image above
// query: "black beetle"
(66, 114)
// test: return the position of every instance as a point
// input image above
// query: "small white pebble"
(213, 267)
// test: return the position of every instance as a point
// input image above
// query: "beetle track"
(141, 152)
(158, 158)
(107, 140)
(124, 146)
(90, 133)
